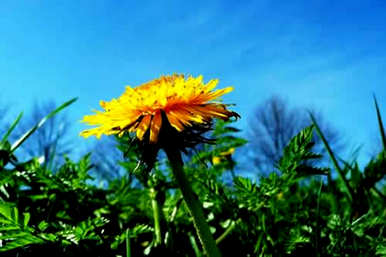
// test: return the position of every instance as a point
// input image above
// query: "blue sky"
(327, 54)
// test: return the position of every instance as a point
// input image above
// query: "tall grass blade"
(333, 159)
(5, 137)
(127, 241)
(381, 128)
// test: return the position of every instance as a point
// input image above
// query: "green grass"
(299, 210)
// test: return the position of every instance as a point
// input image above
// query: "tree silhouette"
(272, 126)
(106, 157)
(50, 142)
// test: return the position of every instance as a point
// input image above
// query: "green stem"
(156, 216)
(226, 232)
(128, 247)
(193, 242)
(168, 235)
(193, 204)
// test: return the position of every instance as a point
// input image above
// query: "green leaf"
(305, 170)
(244, 184)
(381, 249)
(26, 218)
(18, 239)
(297, 152)
(43, 225)
(15, 215)
(381, 128)
(6, 210)
(9, 131)
(140, 229)
(14, 228)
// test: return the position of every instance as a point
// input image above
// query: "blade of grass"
(333, 159)
(194, 245)
(39, 124)
(5, 137)
(127, 240)
(317, 232)
(173, 215)
(358, 220)
(381, 128)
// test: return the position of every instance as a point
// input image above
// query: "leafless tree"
(272, 126)
(50, 142)
(106, 157)
(4, 125)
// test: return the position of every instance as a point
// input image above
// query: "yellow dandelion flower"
(223, 156)
(216, 160)
(183, 101)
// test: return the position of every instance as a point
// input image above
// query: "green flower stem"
(195, 247)
(128, 247)
(168, 237)
(156, 216)
(193, 204)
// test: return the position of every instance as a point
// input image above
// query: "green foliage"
(14, 229)
(299, 210)
(297, 153)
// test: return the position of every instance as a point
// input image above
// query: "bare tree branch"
(50, 141)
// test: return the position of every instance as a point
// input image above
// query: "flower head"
(184, 102)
